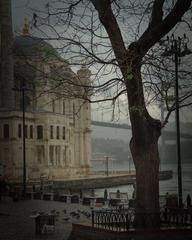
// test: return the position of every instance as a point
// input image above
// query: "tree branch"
(154, 33)
(109, 21)
(157, 13)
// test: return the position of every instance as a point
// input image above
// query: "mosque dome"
(29, 46)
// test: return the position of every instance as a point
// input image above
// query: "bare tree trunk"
(147, 184)
(7, 66)
(144, 149)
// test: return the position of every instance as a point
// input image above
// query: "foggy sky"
(22, 9)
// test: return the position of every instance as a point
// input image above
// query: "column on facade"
(81, 143)
(88, 147)
(79, 127)
(76, 148)
(64, 157)
(57, 155)
(46, 154)
(72, 155)
(54, 155)
(67, 156)
(85, 146)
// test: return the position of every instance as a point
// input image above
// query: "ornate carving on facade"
(58, 139)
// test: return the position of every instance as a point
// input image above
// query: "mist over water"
(170, 186)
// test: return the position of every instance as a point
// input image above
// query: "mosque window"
(57, 133)
(31, 131)
(63, 133)
(39, 132)
(51, 131)
(19, 131)
(63, 107)
(6, 130)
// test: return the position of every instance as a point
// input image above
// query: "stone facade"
(57, 118)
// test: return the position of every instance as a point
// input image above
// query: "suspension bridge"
(168, 135)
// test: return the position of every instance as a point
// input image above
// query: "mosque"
(55, 142)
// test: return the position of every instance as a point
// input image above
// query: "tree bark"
(146, 160)
(144, 149)
(7, 65)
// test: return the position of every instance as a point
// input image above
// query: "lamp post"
(177, 47)
(107, 165)
(22, 89)
(24, 137)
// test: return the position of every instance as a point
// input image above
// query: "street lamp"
(24, 138)
(107, 165)
(178, 48)
(22, 89)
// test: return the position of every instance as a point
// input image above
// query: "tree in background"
(118, 38)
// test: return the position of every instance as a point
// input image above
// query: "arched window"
(6, 131)
(39, 132)
(63, 133)
(31, 131)
(19, 131)
(51, 132)
(57, 133)
(63, 107)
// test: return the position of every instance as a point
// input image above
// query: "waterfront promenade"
(103, 179)
(16, 223)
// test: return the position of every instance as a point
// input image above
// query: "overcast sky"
(22, 9)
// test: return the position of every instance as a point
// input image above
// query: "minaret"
(7, 65)
(84, 75)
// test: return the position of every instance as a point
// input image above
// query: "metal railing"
(123, 220)
(176, 217)
(116, 220)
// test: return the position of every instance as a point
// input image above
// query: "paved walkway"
(16, 223)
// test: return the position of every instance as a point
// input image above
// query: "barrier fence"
(123, 220)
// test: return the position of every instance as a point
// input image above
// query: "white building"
(57, 119)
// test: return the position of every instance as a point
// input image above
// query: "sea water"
(170, 186)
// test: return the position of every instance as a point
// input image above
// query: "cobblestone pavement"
(16, 222)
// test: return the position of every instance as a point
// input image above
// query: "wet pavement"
(17, 223)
